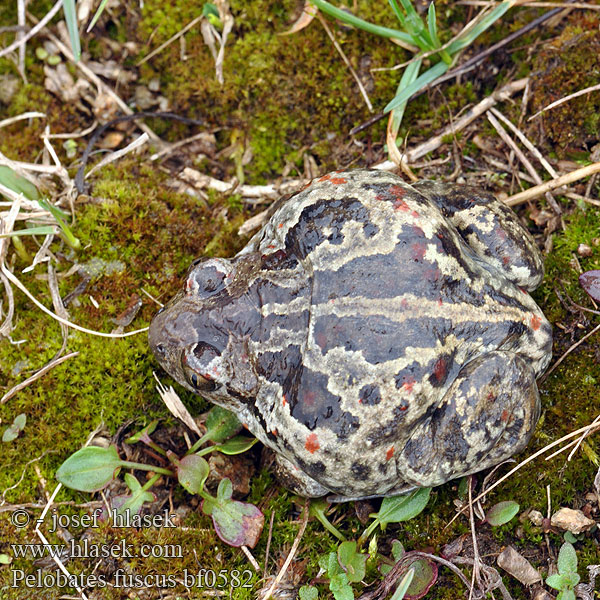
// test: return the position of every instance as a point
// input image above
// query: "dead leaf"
(304, 20)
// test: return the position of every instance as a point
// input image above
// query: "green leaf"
(90, 469)
(408, 76)
(192, 471)
(486, 21)
(236, 445)
(340, 587)
(556, 581)
(142, 433)
(132, 504)
(423, 80)
(236, 523)
(425, 575)
(221, 425)
(353, 562)
(403, 586)
(397, 550)
(566, 595)
(403, 508)
(338, 13)
(567, 559)
(502, 513)
(18, 184)
(14, 429)
(41, 230)
(5, 559)
(307, 592)
(71, 20)
(97, 15)
(60, 217)
(225, 490)
(432, 25)
(318, 507)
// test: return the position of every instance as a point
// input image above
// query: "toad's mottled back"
(377, 335)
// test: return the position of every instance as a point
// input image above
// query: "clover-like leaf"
(352, 562)
(90, 469)
(192, 471)
(236, 523)
(502, 513)
(14, 429)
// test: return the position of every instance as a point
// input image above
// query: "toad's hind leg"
(488, 414)
(490, 228)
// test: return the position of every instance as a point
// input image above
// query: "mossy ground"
(284, 97)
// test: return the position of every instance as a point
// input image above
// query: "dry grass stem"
(48, 367)
(91, 76)
(268, 548)
(250, 558)
(575, 345)
(552, 184)
(436, 141)
(176, 406)
(593, 88)
(137, 143)
(591, 428)
(27, 115)
(361, 87)
(20, 286)
(525, 141)
(513, 146)
(291, 554)
(172, 39)
(580, 5)
(33, 31)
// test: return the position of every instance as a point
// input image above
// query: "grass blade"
(479, 27)
(432, 25)
(42, 230)
(96, 16)
(399, 14)
(426, 78)
(71, 19)
(408, 77)
(345, 17)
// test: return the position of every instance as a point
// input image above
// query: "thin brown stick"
(580, 5)
(585, 337)
(552, 184)
(291, 554)
(361, 87)
(170, 40)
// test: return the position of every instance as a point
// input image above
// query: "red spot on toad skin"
(245, 425)
(408, 385)
(280, 225)
(389, 453)
(337, 180)
(418, 250)
(505, 416)
(312, 443)
(505, 260)
(535, 322)
(321, 340)
(274, 432)
(325, 177)
(401, 205)
(284, 401)
(440, 370)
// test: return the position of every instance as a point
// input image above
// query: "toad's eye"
(207, 277)
(197, 367)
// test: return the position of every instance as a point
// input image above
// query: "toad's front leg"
(487, 415)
